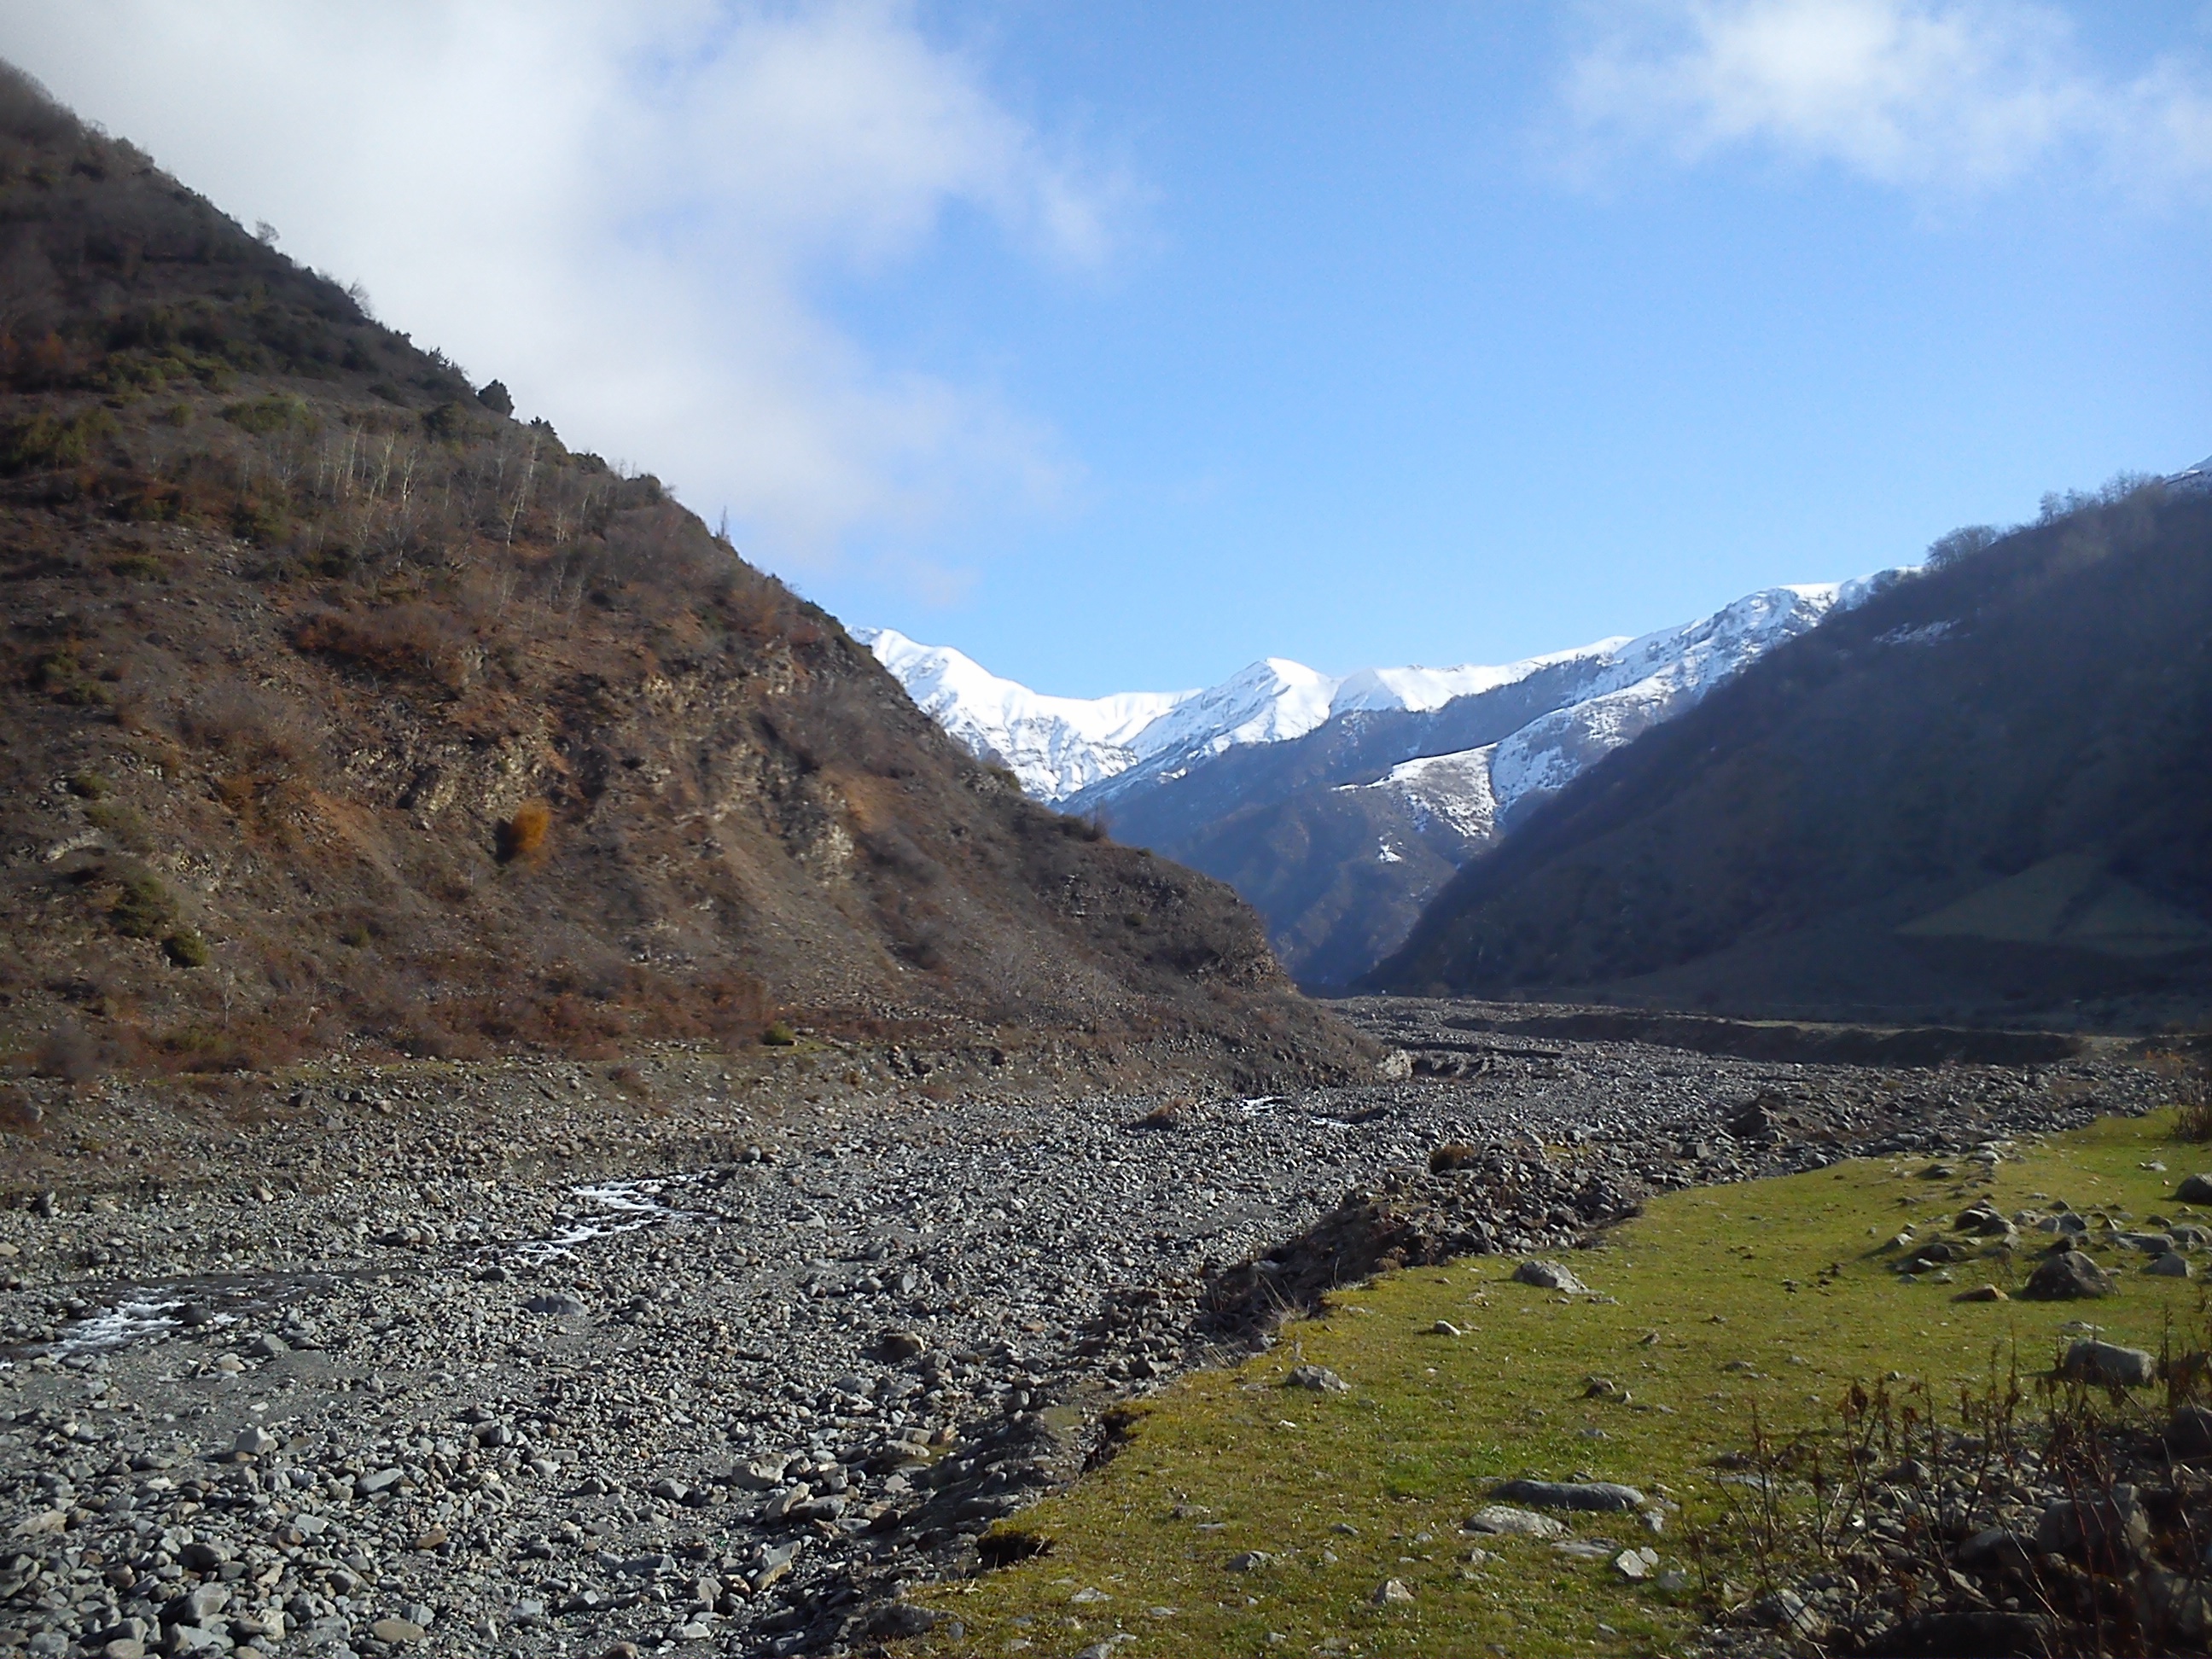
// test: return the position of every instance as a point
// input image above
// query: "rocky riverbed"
(697, 1363)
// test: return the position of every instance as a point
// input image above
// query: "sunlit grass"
(1772, 1296)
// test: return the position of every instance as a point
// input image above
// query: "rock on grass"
(2069, 1276)
(2108, 1363)
(1600, 1495)
(1549, 1276)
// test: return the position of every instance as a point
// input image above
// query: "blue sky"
(1120, 345)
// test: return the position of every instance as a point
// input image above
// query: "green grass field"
(1772, 1296)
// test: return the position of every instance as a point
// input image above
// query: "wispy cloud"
(630, 212)
(1952, 97)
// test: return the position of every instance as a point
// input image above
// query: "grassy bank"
(1767, 1299)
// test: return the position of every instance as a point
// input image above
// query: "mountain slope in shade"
(1981, 794)
(1339, 807)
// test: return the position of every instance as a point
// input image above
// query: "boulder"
(1549, 1276)
(2194, 1190)
(2067, 1276)
(1636, 1565)
(1570, 1494)
(2114, 1366)
(1503, 1520)
(2104, 1530)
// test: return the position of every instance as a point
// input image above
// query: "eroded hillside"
(343, 708)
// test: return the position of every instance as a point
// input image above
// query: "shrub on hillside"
(523, 835)
(407, 642)
(46, 442)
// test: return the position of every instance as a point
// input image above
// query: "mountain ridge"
(1337, 805)
(1978, 796)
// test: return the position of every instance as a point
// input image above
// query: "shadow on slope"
(1982, 795)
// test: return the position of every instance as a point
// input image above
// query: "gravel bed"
(400, 1396)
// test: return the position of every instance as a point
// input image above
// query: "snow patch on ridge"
(1060, 746)
(1454, 788)
(1656, 677)
(1054, 745)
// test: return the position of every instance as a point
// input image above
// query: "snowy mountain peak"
(1062, 746)
(1270, 701)
(1054, 745)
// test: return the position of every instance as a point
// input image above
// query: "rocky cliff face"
(341, 708)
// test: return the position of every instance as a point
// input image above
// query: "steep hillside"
(1984, 792)
(338, 707)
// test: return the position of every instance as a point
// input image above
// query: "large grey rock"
(2116, 1367)
(1636, 1564)
(763, 1474)
(196, 1605)
(782, 1505)
(2110, 1529)
(2195, 1189)
(1503, 1520)
(1319, 1378)
(2066, 1277)
(1549, 1276)
(1600, 1495)
(2171, 1265)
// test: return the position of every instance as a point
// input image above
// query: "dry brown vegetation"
(343, 710)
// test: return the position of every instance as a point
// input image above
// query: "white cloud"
(1950, 96)
(627, 213)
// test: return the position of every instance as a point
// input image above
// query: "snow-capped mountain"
(1338, 806)
(1054, 745)
(1104, 747)
(1632, 688)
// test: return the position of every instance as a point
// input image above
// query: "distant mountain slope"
(1986, 790)
(339, 709)
(1339, 807)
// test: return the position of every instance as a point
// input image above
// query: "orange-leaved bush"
(523, 835)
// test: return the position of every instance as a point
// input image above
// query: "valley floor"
(717, 1356)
